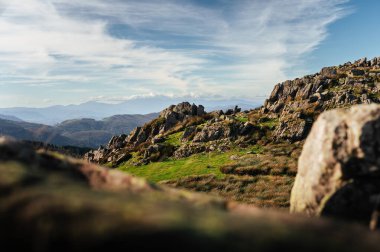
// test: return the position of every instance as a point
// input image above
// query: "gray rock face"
(328, 72)
(177, 113)
(117, 142)
(189, 133)
(119, 147)
(183, 109)
(339, 168)
(222, 130)
(158, 152)
(356, 72)
(333, 87)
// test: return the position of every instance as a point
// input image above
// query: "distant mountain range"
(97, 110)
(77, 132)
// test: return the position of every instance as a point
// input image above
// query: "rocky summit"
(179, 131)
(297, 103)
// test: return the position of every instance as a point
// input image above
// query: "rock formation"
(297, 103)
(199, 131)
(287, 115)
(339, 168)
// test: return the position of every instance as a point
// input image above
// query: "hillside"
(249, 156)
(79, 132)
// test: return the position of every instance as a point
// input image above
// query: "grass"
(256, 149)
(174, 139)
(242, 119)
(258, 175)
(171, 169)
(263, 176)
(270, 123)
(266, 191)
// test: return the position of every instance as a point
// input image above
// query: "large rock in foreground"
(339, 168)
(52, 203)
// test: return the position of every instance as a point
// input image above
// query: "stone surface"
(339, 168)
(119, 147)
(333, 87)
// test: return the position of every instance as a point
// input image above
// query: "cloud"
(239, 48)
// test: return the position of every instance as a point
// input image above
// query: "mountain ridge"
(76, 132)
(56, 114)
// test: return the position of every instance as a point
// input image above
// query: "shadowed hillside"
(78, 132)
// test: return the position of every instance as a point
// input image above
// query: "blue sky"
(73, 51)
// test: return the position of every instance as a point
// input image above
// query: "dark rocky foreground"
(53, 203)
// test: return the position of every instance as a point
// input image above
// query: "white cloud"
(239, 49)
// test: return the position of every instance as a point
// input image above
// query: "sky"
(74, 51)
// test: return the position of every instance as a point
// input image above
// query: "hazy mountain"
(10, 118)
(97, 110)
(93, 133)
(34, 132)
(77, 132)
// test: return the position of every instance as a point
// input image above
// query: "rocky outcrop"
(192, 148)
(179, 131)
(177, 113)
(339, 168)
(218, 130)
(297, 103)
(118, 148)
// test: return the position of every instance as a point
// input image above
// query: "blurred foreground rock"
(339, 168)
(53, 203)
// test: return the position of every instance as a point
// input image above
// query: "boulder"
(218, 131)
(293, 127)
(237, 109)
(329, 72)
(187, 150)
(157, 152)
(117, 142)
(339, 168)
(189, 133)
(183, 109)
(356, 72)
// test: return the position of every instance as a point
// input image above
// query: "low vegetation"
(174, 139)
(171, 169)
(266, 191)
(259, 175)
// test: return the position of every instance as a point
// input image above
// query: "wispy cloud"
(237, 48)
